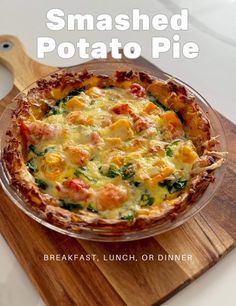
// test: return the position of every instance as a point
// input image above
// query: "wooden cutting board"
(207, 237)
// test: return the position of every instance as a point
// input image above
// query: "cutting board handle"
(25, 70)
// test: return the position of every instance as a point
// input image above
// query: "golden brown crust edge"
(168, 93)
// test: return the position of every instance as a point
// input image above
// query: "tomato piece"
(94, 137)
(141, 124)
(24, 130)
(76, 184)
(137, 90)
(121, 109)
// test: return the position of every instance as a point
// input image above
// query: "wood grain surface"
(207, 237)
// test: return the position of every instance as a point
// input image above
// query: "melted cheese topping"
(109, 151)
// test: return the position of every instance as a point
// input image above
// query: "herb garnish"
(128, 217)
(113, 171)
(31, 165)
(146, 200)
(157, 102)
(48, 149)
(108, 87)
(41, 183)
(52, 109)
(69, 205)
(73, 93)
(169, 148)
(92, 209)
(81, 171)
(126, 171)
(169, 152)
(32, 148)
(173, 185)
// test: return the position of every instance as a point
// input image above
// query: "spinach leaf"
(42, 184)
(128, 217)
(108, 87)
(48, 149)
(169, 148)
(81, 171)
(69, 205)
(32, 148)
(76, 92)
(113, 171)
(127, 171)
(146, 200)
(175, 142)
(157, 102)
(134, 183)
(31, 165)
(71, 94)
(169, 152)
(173, 185)
(92, 209)
(54, 110)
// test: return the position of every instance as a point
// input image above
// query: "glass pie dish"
(110, 233)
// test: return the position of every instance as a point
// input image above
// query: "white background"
(212, 73)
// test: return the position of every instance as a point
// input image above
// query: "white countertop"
(212, 73)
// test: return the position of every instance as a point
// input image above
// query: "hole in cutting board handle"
(5, 45)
